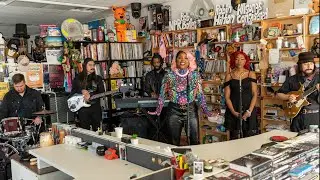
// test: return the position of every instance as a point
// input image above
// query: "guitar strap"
(307, 81)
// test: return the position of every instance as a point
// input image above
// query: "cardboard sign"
(56, 76)
(34, 75)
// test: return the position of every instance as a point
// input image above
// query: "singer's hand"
(236, 114)
(37, 121)
(245, 116)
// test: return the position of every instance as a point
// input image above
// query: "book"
(251, 164)
(270, 152)
(300, 170)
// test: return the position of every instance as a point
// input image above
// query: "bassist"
(307, 76)
(88, 83)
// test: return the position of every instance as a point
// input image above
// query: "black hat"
(305, 57)
(21, 31)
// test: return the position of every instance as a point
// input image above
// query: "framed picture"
(197, 169)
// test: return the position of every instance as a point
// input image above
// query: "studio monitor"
(136, 10)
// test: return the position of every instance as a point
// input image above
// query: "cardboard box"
(279, 8)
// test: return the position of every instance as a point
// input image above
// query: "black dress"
(232, 123)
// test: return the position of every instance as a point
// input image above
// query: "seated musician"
(21, 101)
(88, 83)
(154, 78)
(307, 76)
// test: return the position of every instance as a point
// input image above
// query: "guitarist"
(88, 83)
(308, 76)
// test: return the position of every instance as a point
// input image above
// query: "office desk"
(83, 165)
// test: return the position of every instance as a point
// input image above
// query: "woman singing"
(88, 83)
(182, 87)
(239, 65)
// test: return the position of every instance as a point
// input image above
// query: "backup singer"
(21, 101)
(154, 78)
(240, 65)
(308, 77)
(88, 83)
(182, 86)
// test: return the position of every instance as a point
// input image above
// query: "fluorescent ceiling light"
(65, 4)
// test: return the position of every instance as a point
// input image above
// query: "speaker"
(136, 10)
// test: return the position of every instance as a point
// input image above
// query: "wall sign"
(56, 76)
(185, 22)
(245, 14)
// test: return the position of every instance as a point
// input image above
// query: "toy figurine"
(120, 24)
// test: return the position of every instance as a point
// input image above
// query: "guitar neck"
(100, 95)
(309, 91)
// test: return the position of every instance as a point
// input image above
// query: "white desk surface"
(83, 165)
(143, 143)
(231, 150)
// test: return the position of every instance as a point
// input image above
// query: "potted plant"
(134, 139)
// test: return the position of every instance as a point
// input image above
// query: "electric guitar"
(77, 101)
(291, 110)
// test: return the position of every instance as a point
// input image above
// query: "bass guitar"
(291, 110)
(77, 101)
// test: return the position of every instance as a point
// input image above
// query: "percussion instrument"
(46, 139)
(11, 126)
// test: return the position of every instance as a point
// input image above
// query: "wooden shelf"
(273, 108)
(254, 61)
(96, 42)
(220, 42)
(313, 35)
(179, 31)
(248, 42)
(276, 121)
(212, 82)
(272, 85)
(287, 49)
(283, 18)
(213, 27)
(293, 36)
(313, 14)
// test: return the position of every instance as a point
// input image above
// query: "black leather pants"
(177, 118)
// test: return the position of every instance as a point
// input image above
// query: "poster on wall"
(34, 76)
(56, 76)
(4, 88)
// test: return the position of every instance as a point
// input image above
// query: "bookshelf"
(268, 98)
(173, 42)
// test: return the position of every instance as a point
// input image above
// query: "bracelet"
(248, 111)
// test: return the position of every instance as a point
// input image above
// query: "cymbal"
(44, 112)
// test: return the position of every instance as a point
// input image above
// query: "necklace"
(182, 75)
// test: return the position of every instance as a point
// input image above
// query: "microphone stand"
(188, 109)
(240, 105)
